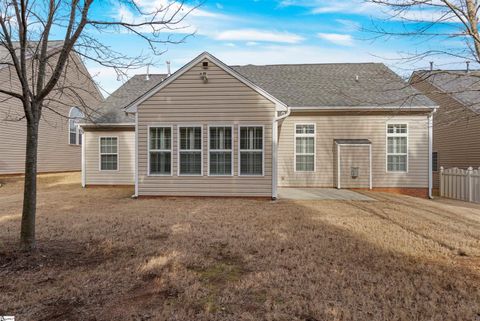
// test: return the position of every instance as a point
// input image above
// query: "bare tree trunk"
(27, 234)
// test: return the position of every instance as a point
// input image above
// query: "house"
(215, 130)
(456, 122)
(60, 138)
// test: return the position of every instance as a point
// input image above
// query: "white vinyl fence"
(460, 184)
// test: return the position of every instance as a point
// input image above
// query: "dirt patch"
(103, 256)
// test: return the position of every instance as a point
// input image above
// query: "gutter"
(363, 108)
(100, 125)
(275, 151)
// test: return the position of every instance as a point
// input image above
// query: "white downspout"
(136, 155)
(370, 182)
(84, 173)
(275, 152)
(430, 151)
(338, 167)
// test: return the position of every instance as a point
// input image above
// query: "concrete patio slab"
(294, 193)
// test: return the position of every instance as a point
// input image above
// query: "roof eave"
(100, 125)
(364, 108)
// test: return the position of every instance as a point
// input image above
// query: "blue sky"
(272, 32)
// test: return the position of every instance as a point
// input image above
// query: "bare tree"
(434, 22)
(38, 64)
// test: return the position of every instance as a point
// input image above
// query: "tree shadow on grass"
(310, 271)
(253, 260)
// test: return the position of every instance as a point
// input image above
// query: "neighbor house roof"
(335, 85)
(462, 85)
(112, 110)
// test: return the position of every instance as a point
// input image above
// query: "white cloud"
(337, 38)
(424, 15)
(251, 43)
(188, 19)
(431, 12)
(349, 25)
(291, 54)
(258, 35)
(333, 6)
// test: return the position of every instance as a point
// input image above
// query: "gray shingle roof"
(111, 111)
(461, 85)
(304, 85)
(335, 85)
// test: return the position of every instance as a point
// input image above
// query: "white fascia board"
(364, 108)
(99, 125)
(205, 55)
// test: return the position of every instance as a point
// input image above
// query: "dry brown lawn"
(104, 256)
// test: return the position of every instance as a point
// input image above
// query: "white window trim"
(160, 150)
(190, 150)
(396, 135)
(220, 150)
(251, 150)
(77, 129)
(314, 135)
(100, 154)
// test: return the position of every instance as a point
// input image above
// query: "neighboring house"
(60, 138)
(215, 130)
(456, 122)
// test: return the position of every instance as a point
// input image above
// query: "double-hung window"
(220, 151)
(305, 147)
(397, 147)
(251, 150)
(108, 153)
(160, 150)
(190, 151)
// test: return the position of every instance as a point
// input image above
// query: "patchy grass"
(104, 256)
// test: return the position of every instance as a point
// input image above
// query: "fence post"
(442, 183)
(469, 184)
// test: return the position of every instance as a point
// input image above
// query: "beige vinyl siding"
(364, 126)
(456, 131)
(54, 152)
(354, 156)
(224, 100)
(125, 175)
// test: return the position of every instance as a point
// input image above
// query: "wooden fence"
(460, 184)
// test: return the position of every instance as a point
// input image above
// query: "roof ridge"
(150, 74)
(446, 70)
(314, 63)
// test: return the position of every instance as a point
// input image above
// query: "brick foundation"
(411, 191)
